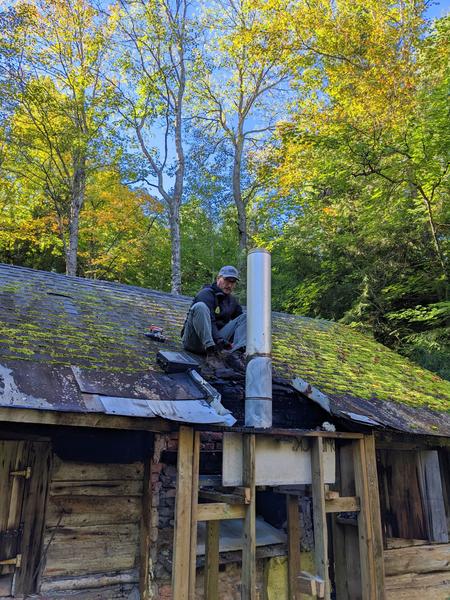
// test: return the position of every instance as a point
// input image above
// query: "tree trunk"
(237, 196)
(78, 192)
(174, 214)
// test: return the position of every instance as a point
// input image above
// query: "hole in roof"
(59, 294)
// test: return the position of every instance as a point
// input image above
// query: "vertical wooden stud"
(375, 514)
(294, 567)
(183, 507)
(144, 534)
(194, 503)
(368, 578)
(249, 542)
(320, 517)
(212, 560)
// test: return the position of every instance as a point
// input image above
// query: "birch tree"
(158, 39)
(239, 91)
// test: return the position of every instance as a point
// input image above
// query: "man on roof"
(215, 320)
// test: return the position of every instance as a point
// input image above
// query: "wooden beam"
(223, 497)
(294, 562)
(217, 511)
(368, 582)
(75, 419)
(144, 534)
(249, 538)
(342, 504)
(375, 516)
(183, 507)
(194, 505)
(319, 513)
(211, 572)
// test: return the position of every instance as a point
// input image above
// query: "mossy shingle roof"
(55, 319)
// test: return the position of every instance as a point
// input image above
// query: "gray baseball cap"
(229, 272)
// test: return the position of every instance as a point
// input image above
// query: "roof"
(57, 320)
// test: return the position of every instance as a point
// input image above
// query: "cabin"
(122, 478)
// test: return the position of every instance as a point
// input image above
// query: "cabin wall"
(91, 536)
(415, 571)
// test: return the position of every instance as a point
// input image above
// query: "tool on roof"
(155, 333)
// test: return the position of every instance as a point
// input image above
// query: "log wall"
(417, 572)
(91, 538)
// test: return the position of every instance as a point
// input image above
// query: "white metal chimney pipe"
(258, 380)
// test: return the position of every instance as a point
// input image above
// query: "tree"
(238, 91)
(61, 100)
(366, 163)
(151, 92)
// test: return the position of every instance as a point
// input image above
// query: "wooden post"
(183, 507)
(249, 540)
(320, 517)
(294, 566)
(144, 570)
(194, 503)
(368, 576)
(212, 560)
(375, 516)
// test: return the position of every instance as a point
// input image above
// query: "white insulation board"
(278, 461)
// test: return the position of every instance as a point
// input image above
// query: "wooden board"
(248, 589)
(115, 487)
(183, 505)
(365, 531)
(211, 573)
(68, 584)
(144, 533)
(219, 510)
(194, 510)
(83, 550)
(33, 517)
(13, 457)
(417, 559)
(400, 495)
(294, 562)
(375, 517)
(319, 514)
(81, 471)
(84, 511)
(351, 582)
(432, 495)
(411, 586)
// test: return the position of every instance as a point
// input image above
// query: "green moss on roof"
(341, 361)
(64, 320)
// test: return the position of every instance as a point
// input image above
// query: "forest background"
(152, 141)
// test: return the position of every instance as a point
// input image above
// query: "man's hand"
(223, 345)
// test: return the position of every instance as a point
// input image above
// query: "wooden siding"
(417, 572)
(92, 528)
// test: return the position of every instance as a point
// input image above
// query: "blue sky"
(439, 9)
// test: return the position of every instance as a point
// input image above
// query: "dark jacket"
(222, 307)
